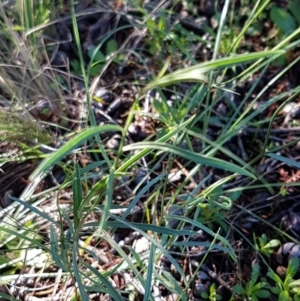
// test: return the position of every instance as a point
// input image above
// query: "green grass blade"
(108, 200)
(144, 152)
(71, 145)
(197, 158)
(106, 287)
(36, 210)
(142, 192)
(83, 294)
(77, 196)
(284, 160)
(196, 73)
(149, 273)
(221, 22)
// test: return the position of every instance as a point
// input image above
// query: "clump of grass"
(84, 211)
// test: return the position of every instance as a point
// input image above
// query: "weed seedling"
(253, 290)
(264, 247)
(287, 289)
(212, 295)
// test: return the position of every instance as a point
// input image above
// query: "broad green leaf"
(296, 298)
(283, 20)
(295, 283)
(293, 267)
(275, 277)
(262, 294)
(284, 296)
(272, 244)
(111, 47)
(255, 273)
(294, 8)
(238, 289)
(275, 290)
(96, 55)
(253, 297)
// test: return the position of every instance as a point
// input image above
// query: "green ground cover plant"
(145, 156)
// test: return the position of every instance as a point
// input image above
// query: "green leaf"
(255, 273)
(262, 294)
(235, 195)
(275, 277)
(204, 295)
(272, 244)
(284, 296)
(295, 9)
(79, 139)
(197, 72)
(275, 290)
(96, 55)
(258, 286)
(77, 196)
(108, 200)
(238, 289)
(253, 297)
(95, 69)
(150, 277)
(105, 283)
(83, 294)
(75, 66)
(163, 138)
(292, 267)
(168, 281)
(283, 20)
(195, 157)
(285, 160)
(111, 47)
(295, 283)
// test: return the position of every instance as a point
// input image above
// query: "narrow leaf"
(71, 145)
(77, 196)
(197, 73)
(195, 157)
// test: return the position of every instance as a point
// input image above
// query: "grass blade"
(200, 159)
(77, 196)
(71, 145)
(196, 73)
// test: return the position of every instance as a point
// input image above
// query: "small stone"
(133, 129)
(103, 94)
(203, 276)
(199, 289)
(142, 245)
(281, 271)
(294, 252)
(284, 251)
(114, 141)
